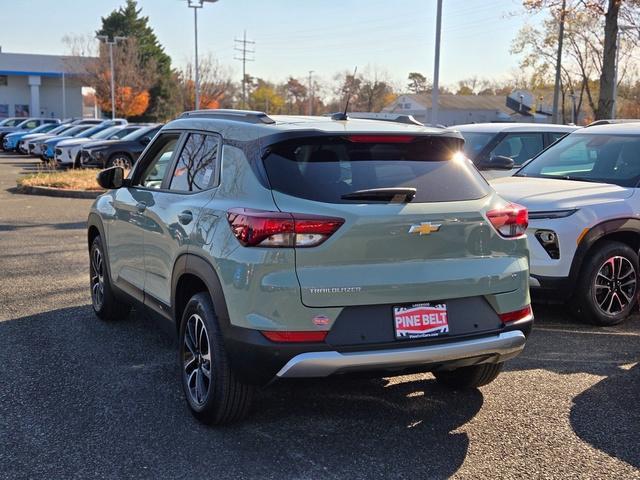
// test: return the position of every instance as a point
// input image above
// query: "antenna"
(343, 116)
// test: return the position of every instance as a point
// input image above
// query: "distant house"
(460, 109)
(39, 85)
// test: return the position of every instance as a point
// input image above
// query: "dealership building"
(39, 85)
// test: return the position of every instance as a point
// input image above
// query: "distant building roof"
(464, 102)
(43, 65)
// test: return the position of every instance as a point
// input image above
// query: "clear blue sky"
(295, 36)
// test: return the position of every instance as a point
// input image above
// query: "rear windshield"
(326, 168)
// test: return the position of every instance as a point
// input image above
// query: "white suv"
(584, 219)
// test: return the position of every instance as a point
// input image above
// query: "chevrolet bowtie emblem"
(425, 228)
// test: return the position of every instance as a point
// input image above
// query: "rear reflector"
(258, 228)
(292, 337)
(522, 314)
(510, 221)
(381, 138)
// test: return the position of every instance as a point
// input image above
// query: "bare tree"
(216, 87)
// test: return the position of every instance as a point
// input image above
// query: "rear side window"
(197, 167)
(326, 168)
(520, 147)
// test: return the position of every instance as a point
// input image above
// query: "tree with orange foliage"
(128, 102)
(134, 76)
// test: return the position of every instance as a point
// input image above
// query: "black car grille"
(58, 151)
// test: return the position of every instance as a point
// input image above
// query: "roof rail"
(611, 121)
(247, 116)
(386, 117)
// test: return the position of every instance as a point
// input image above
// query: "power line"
(241, 46)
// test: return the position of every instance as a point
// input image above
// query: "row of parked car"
(77, 143)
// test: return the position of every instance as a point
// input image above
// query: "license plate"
(420, 320)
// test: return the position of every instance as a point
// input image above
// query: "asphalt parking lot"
(80, 398)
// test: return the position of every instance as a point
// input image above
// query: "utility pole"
(111, 43)
(241, 46)
(64, 97)
(436, 67)
(310, 108)
(556, 88)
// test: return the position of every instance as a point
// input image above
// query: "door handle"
(185, 217)
(141, 207)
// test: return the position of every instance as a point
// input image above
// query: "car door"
(126, 234)
(188, 187)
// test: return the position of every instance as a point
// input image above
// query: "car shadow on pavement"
(5, 227)
(607, 415)
(87, 398)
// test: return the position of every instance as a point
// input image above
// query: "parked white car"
(584, 219)
(67, 151)
(499, 149)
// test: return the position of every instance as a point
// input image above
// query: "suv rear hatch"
(415, 230)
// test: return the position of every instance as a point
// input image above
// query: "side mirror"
(145, 140)
(111, 178)
(499, 162)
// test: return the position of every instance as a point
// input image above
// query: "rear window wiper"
(391, 195)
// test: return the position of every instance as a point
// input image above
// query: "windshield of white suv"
(589, 158)
(474, 142)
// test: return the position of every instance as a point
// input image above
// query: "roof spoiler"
(247, 116)
(386, 117)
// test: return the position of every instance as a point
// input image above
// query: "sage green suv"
(286, 247)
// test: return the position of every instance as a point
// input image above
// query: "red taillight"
(522, 314)
(291, 337)
(381, 138)
(257, 228)
(510, 221)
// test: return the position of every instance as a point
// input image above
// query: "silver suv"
(287, 247)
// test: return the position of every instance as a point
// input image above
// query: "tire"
(469, 377)
(612, 267)
(105, 304)
(120, 160)
(219, 398)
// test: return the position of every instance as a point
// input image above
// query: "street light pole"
(436, 67)
(111, 43)
(196, 4)
(197, 66)
(113, 85)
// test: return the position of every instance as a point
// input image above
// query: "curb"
(58, 192)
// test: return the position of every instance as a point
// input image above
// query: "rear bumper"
(259, 361)
(491, 349)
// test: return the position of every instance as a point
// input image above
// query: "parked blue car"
(49, 145)
(10, 142)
